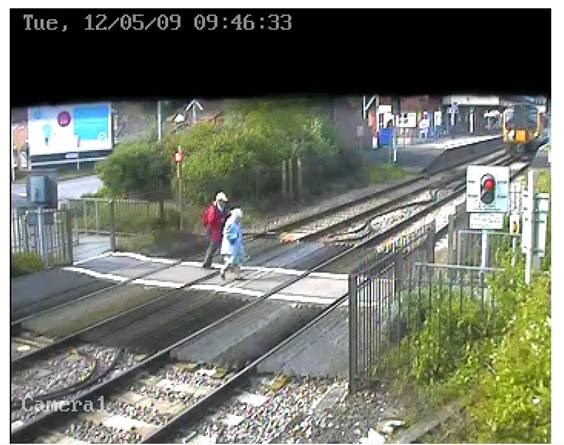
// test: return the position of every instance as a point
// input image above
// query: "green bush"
(136, 167)
(25, 263)
(512, 402)
(254, 138)
(543, 182)
(499, 366)
(241, 155)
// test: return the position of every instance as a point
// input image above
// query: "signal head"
(487, 189)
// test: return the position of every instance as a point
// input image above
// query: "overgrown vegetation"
(496, 360)
(25, 263)
(241, 154)
(136, 168)
(245, 152)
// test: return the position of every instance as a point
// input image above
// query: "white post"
(41, 236)
(484, 262)
(530, 231)
(540, 218)
(159, 121)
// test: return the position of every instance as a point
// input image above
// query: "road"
(68, 189)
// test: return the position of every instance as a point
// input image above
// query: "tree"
(136, 167)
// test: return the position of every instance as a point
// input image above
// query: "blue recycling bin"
(385, 137)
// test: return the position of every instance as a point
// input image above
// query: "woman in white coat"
(232, 247)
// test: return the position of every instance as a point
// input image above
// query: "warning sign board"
(493, 221)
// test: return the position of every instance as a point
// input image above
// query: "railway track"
(311, 227)
(491, 147)
(156, 359)
(343, 216)
(332, 221)
(26, 428)
(378, 223)
(145, 371)
(44, 357)
(192, 415)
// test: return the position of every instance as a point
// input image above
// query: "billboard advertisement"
(62, 132)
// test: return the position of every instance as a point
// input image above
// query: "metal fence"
(129, 223)
(441, 310)
(484, 248)
(375, 289)
(402, 295)
(44, 232)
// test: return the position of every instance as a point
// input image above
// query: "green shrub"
(513, 401)
(254, 138)
(543, 182)
(136, 167)
(241, 155)
(499, 366)
(25, 263)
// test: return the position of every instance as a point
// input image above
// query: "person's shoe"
(238, 276)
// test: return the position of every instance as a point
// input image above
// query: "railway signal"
(487, 189)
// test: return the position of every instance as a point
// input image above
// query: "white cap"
(221, 197)
(237, 213)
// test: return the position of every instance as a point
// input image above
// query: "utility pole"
(178, 158)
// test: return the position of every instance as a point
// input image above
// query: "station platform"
(415, 158)
(541, 161)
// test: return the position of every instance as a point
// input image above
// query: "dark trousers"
(212, 249)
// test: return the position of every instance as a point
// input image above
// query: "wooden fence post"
(112, 225)
(284, 180)
(300, 178)
(69, 239)
(291, 190)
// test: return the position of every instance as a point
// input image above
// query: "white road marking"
(228, 288)
(144, 258)
(103, 255)
(158, 283)
(278, 270)
(95, 274)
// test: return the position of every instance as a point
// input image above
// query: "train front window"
(522, 118)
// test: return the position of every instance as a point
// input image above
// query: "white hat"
(237, 213)
(221, 197)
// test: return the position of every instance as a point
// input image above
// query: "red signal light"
(489, 184)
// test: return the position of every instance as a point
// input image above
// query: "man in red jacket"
(214, 219)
